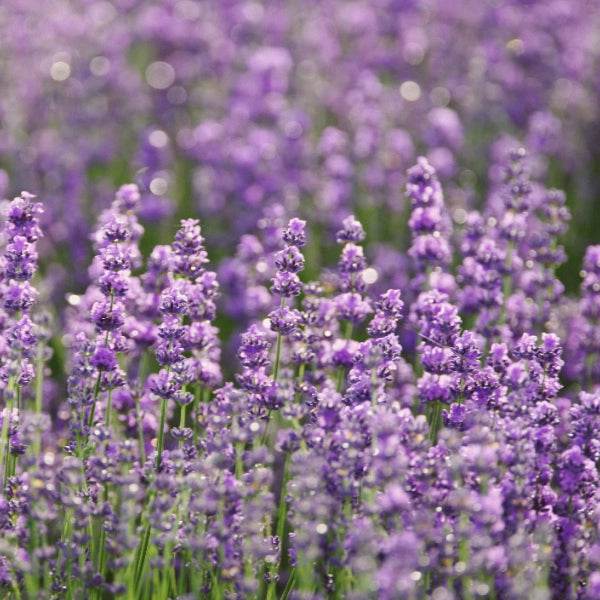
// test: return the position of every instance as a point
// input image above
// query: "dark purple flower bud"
(188, 239)
(467, 351)
(116, 230)
(498, 357)
(390, 304)
(286, 285)
(525, 347)
(352, 231)
(116, 257)
(171, 328)
(181, 434)
(254, 347)
(23, 218)
(163, 384)
(352, 259)
(168, 355)
(284, 320)
(290, 259)
(455, 418)
(550, 349)
(104, 359)
(19, 296)
(576, 472)
(183, 398)
(21, 259)
(26, 373)
(381, 325)
(173, 301)
(294, 234)
(590, 403)
(107, 316)
(113, 284)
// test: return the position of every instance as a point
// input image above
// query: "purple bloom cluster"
(303, 106)
(389, 385)
(337, 463)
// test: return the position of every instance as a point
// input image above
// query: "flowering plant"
(332, 342)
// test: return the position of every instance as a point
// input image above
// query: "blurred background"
(247, 113)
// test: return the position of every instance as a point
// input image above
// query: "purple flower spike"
(294, 234)
(352, 231)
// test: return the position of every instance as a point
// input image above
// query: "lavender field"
(299, 299)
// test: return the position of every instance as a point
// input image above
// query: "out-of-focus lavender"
(340, 336)
(224, 109)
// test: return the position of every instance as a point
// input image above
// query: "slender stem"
(140, 561)
(436, 421)
(99, 378)
(197, 392)
(373, 386)
(277, 357)
(182, 421)
(289, 585)
(278, 348)
(4, 442)
(100, 556)
(39, 379)
(108, 408)
(161, 433)
(39, 383)
(19, 399)
(95, 398)
(140, 431)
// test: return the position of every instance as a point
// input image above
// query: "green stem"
(436, 421)
(4, 449)
(181, 422)
(278, 349)
(373, 387)
(95, 398)
(39, 379)
(289, 585)
(140, 561)
(108, 408)
(197, 392)
(277, 357)
(39, 383)
(140, 431)
(161, 433)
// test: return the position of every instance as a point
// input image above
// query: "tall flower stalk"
(17, 295)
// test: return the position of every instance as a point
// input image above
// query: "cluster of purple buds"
(350, 303)
(18, 265)
(187, 349)
(377, 358)
(18, 337)
(429, 224)
(116, 243)
(286, 284)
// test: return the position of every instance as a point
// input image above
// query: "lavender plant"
(388, 385)
(333, 464)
